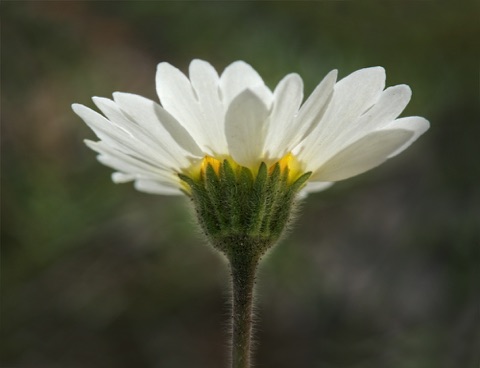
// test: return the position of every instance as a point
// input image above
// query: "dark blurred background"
(380, 271)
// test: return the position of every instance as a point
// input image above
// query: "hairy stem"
(243, 268)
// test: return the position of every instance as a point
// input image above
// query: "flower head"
(342, 129)
(243, 153)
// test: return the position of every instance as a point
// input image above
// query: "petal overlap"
(341, 130)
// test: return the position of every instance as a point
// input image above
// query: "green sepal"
(233, 203)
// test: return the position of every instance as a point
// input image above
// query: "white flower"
(343, 129)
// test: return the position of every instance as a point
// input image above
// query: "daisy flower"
(244, 154)
(341, 130)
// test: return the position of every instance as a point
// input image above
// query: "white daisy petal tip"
(294, 77)
(400, 91)
(376, 70)
(332, 76)
(371, 78)
(118, 96)
(239, 76)
(362, 155)
(92, 118)
(422, 123)
(417, 125)
(78, 108)
(103, 103)
(100, 98)
(405, 88)
(165, 66)
(89, 143)
(199, 63)
(120, 178)
(238, 64)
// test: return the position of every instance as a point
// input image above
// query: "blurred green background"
(380, 271)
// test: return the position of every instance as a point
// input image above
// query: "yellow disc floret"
(209, 160)
(287, 163)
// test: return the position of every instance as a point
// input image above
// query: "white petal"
(178, 98)
(128, 164)
(155, 187)
(246, 124)
(362, 155)
(113, 113)
(205, 82)
(154, 135)
(112, 134)
(415, 124)
(239, 76)
(282, 131)
(133, 142)
(391, 103)
(313, 187)
(158, 123)
(136, 170)
(359, 90)
(264, 94)
(352, 96)
(119, 177)
(314, 107)
(317, 186)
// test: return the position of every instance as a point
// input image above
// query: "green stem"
(243, 266)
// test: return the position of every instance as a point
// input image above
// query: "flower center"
(288, 165)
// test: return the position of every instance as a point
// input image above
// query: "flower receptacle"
(238, 208)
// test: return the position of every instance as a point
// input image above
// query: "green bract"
(235, 207)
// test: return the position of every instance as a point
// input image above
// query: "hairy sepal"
(240, 211)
